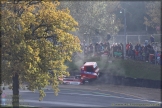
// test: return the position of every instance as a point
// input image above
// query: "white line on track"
(108, 96)
(101, 96)
(61, 103)
(19, 106)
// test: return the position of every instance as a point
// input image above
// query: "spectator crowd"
(146, 52)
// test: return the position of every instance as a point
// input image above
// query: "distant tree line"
(97, 18)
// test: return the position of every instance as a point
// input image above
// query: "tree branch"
(41, 25)
(52, 36)
(20, 11)
(34, 2)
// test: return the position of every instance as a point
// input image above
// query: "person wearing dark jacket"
(91, 48)
(122, 50)
(133, 54)
(152, 39)
(136, 47)
(96, 47)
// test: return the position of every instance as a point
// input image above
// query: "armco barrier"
(137, 82)
(128, 81)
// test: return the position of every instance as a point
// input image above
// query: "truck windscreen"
(89, 68)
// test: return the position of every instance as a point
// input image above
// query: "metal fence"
(134, 39)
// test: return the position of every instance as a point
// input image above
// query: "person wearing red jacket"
(136, 54)
(127, 48)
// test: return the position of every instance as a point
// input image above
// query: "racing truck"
(74, 80)
(89, 71)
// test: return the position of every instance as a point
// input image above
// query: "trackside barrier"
(137, 82)
(127, 81)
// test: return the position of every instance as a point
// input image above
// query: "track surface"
(77, 97)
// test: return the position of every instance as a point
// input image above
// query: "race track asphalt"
(74, 97)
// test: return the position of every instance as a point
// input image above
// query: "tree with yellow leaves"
(153, 14)
(36, 37)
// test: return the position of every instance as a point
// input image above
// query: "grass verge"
(128, 68)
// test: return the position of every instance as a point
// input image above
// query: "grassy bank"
(129, 68)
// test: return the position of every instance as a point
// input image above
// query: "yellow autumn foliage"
(153, 14)
(34, 37)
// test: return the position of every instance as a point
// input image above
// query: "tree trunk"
(1, 97)
(15, 97)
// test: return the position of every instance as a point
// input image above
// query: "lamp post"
(112, 26)
(124, 45)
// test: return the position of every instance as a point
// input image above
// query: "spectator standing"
(130, 49)
(91, 48)
(139, 47)
(136, 54)
(122, 50)
(127, 49)
(152, 39)
(149, 46)
(151, 51)
(96, 47)
(140, 52)
(102, 47)
(136, 47)
(99, 47)
(160, 58)
(151, 54)
(85, 50)
(146, 53)
(108, 46)
(133, 54)
(119, 48)
(112, 50)
(143, 53)
(146, 42)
